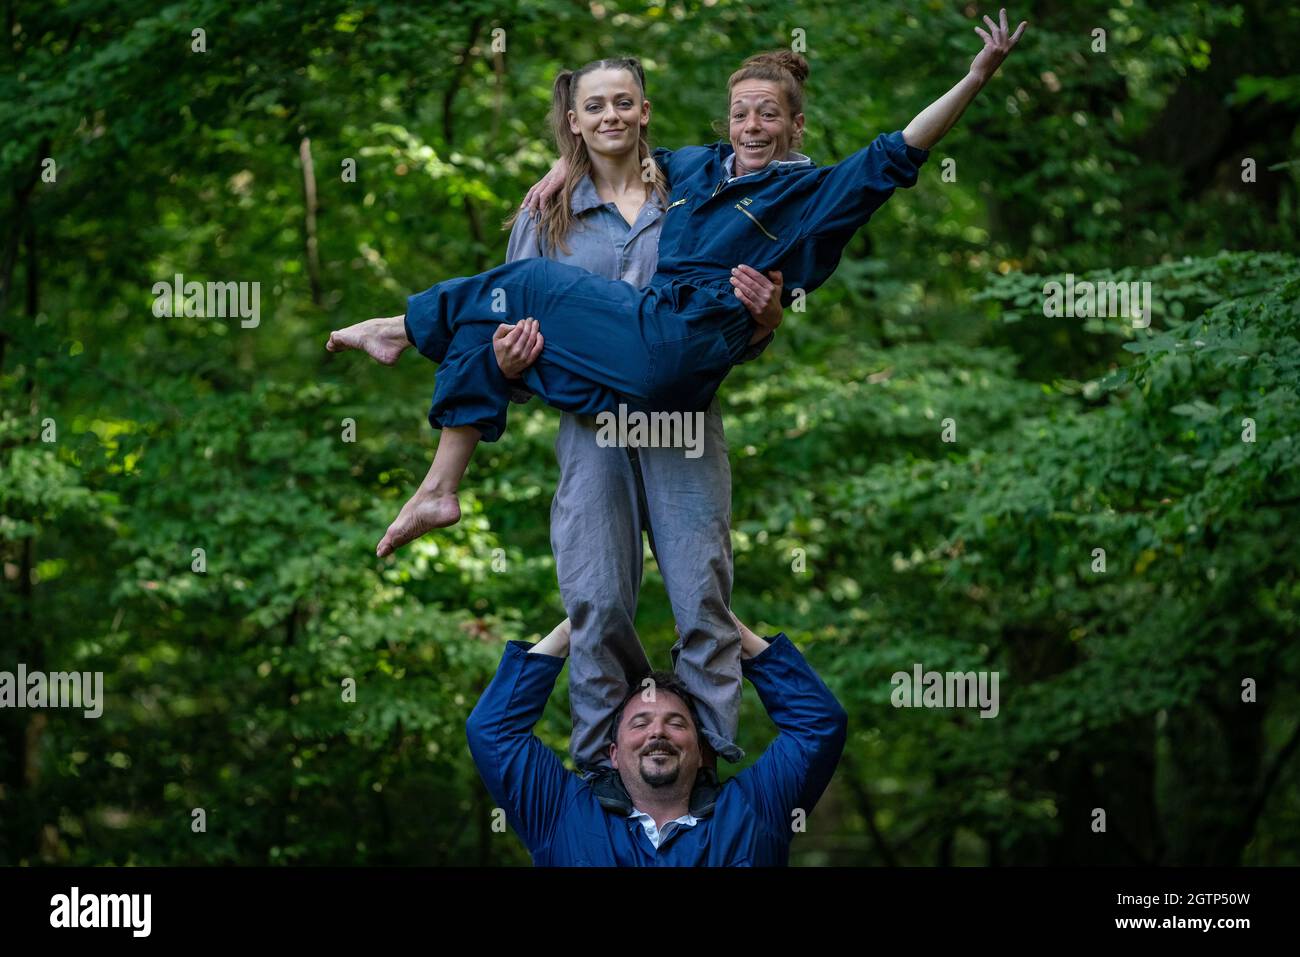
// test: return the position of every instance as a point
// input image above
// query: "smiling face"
(657, 740)
(760, 125)
(609, 112)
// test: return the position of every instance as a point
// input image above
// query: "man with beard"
(657, 751)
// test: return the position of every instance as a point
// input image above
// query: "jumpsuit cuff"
(406, 324)
(899, 148)
(478, 394)
(727, 750)
(756, 349)
(419, 312)
(779, 639)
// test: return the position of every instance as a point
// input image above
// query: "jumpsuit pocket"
(754, 219)
(680, 368)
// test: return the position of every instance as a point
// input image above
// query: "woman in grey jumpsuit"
(607, 495)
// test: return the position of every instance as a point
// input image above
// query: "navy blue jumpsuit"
(669, 345)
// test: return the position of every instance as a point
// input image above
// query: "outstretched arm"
(933, 123)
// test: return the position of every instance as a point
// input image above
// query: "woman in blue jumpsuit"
(668, 346)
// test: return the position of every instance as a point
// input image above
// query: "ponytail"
(557, 219)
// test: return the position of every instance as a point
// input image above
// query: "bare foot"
(381, 339)
(423, 513)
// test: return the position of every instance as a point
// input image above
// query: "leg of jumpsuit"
(688, 501)
(596, 536)
(670, 347)
(594, 340)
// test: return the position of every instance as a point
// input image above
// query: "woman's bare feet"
(424, 512)
(435, 504)
(381, 339)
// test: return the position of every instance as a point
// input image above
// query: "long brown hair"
(557, 218)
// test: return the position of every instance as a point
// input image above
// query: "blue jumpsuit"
(670, 345)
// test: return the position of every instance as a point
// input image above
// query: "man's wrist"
(768, 651)
(555, 644)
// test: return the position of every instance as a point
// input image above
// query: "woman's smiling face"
(760, 124)
(609, 112)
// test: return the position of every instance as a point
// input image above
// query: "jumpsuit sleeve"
(854, 188)
(664, 158)
(757, 349)
(680, 164)
(812, 727)
(522, 774)
(845, 197)
(525, 243)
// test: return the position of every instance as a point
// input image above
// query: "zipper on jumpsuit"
(718, 189)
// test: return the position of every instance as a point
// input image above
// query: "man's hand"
(761, 296)
(556, 644)
(750, 644)
(546, 187)
(997, 44)
(517, 347)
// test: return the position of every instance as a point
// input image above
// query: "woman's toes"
(420, 515)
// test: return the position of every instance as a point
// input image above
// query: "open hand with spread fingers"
(998, 41)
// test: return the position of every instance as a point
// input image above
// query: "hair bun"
(787, 60)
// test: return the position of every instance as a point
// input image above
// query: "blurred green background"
(857, 530)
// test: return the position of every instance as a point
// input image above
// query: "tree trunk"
(309, 218)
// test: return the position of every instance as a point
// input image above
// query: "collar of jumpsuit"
(585, 197)
(792, 159)
(652, 830)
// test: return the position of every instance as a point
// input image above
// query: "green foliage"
(227, 688)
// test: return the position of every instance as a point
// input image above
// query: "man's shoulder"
(736, 797)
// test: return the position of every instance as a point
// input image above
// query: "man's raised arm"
(522, 774)
(796, 767)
